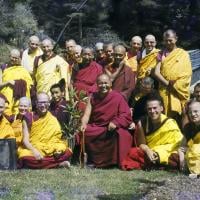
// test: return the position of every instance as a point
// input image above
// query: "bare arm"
(86, 116)
(26, 141)
(158, 75)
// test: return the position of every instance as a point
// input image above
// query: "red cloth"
(46, 163)
(124, 82)
(19, 89)
(85, 79)
(137, 159)
(108, 148)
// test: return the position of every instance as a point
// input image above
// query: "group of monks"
(139, 112)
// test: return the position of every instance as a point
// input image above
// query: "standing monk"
(43, 146)
(105, 123)
(174, 75)
(28, 56)
(15, 82)
(149, 57)
(133, 55)
(50, 69)
(89, 70)
(122, 77)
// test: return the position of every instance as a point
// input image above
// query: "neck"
(171, 49)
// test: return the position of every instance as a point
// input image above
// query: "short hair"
(105, 46)
(99, 76)
(70, 40)
(99, 44)
(147, 81)
(154, 96)
(61, 84)
(168, 32)
(136, 37)
(87, 48)
(197, 86)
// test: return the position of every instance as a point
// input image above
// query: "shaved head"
(47, 42)
(120, 48)
(34, 38)
(103, 76)
(170, 33)
(150, 37)
(15, 53)
(25, 101)
(136, 39)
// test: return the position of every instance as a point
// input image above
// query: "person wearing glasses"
(43, 146)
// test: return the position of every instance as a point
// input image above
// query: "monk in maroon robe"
(122, 77)
(89, 70)
(105, 124)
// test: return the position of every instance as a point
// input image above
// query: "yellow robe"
(45, 136)
(28, 59)
(176, 66)
(165, 140)
(6, 130)
(146, 63)
(50, 72)
(14, 73)
(17, 128)
(193, 154)
(131, 62)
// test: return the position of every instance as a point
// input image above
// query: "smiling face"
(170, 40)
(33, 43)
(149, 43)
(42, 104)
(194, 112)
(14, 57)
(24, 105)
(104, 84)
(154, 110)
(47, 47)
(56, 94)
(136, 43)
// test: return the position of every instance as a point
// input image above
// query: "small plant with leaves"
(72, 107)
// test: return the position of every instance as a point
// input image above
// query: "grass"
(87, 184)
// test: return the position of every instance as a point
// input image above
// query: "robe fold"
(106, 148)
(131, 61)
(124, 82)
(146, 63)
(45, 136)
(10, 74)
(85, 78)
(28, 59)
(50, 72)
(176, 67)
(6, 130)
(164, 141)
(192, 156)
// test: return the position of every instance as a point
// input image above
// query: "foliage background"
(105, 20)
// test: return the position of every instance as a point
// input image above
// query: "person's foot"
(65, 164)
(193, 176)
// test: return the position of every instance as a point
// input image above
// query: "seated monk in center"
(158, 137)
(105, 124)
(43, 146)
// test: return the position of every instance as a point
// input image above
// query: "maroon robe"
(124, 82)
(106, 148)
(85, 78)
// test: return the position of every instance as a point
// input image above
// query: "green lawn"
(87, 184)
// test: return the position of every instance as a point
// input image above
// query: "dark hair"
(154, 96)
(60, 84)
(197, 86)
